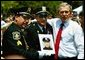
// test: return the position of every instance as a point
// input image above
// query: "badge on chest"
(16, 36)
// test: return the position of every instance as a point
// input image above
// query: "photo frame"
(46, 43)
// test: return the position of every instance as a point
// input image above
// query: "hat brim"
(42, 14)
(25, 15)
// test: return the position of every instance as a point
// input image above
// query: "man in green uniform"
(40, 26)
(15, 45)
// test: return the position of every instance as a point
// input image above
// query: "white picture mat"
(41, 36)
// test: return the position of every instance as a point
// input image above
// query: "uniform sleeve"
(10, 45)
(29, 54)
(79, 40)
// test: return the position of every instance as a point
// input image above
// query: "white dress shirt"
(72, 41)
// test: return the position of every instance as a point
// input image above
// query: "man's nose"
(64, 13)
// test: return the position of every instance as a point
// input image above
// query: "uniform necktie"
(58, 38)
(44, 30)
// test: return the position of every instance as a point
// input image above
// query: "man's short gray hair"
(63, 4)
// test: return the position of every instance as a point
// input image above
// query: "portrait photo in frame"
(46, 43)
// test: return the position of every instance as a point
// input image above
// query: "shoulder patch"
(16, 35)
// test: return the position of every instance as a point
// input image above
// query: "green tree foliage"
(52, 5)
(7, 5)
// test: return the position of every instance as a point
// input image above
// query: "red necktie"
(58, 38)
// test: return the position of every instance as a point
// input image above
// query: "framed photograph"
(46, 43)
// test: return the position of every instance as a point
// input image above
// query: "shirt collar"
(66, 23)
(40, 27)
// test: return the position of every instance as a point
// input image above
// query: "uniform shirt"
(40, 27)
(48, 31)
(72, 38)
